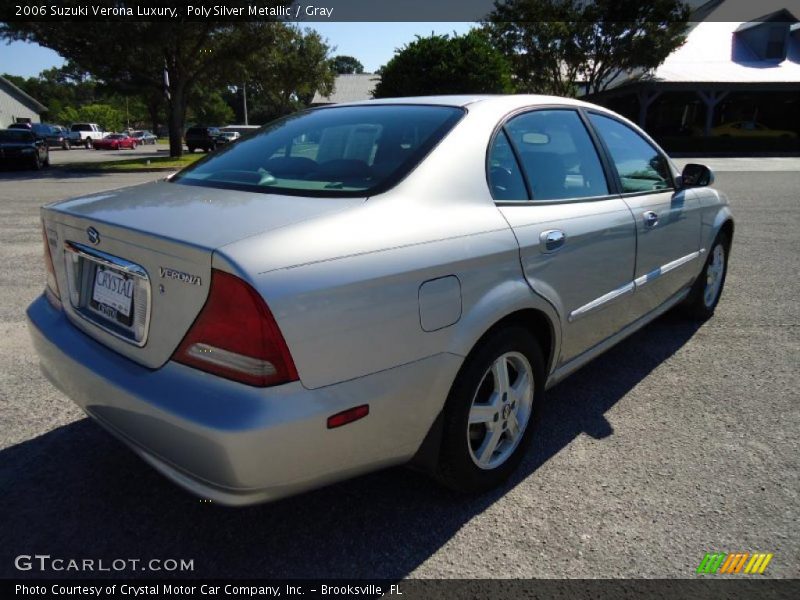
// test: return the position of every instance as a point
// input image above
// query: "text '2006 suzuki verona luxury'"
(372, 284)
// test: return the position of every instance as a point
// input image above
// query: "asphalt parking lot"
(680, 441)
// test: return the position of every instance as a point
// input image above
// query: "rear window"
(342, 151)
(81, 127)
(197, 131)
(16, 135)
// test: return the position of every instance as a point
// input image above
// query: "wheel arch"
(513, 301)
(543, 324)
(727, 228)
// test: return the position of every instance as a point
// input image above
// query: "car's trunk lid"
(134, 265)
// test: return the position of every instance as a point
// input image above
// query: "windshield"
(16, 135)
(116, 136)
(341, 151)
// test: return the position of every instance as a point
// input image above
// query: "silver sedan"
(367, 285)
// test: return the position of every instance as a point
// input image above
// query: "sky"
(371, 43)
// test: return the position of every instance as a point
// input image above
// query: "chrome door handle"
(552, 240)
(650, 219)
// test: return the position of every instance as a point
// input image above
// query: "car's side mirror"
(695, 175)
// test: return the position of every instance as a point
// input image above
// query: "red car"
(115, 141)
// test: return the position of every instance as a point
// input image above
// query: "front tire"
(707, 289)
(492, 411)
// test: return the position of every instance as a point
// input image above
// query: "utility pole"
(244, 101)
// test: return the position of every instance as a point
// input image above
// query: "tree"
(108, 117)
(284, 75)
(191, 53)
(210, 108)
(58, 88)
(346, 65)
(554, 45)
(440, 64)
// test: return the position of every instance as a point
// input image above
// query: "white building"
(728, 73)
(16, 105)
(349, 88)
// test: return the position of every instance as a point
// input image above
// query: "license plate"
(113, 294)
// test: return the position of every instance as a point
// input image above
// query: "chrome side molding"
(630, 287)
(601, 301)
(664, 269)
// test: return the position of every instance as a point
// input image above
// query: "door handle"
(650, 219)
(552, 240)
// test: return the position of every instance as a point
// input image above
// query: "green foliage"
(108, 117)
(556, 45)
(210, 108)
(346, 65)
(440, 64)
(196, 54)
(65, 90)
(284, 75)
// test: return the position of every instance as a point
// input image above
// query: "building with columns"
(734, 85)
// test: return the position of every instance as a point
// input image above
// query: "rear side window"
(640, 166)
(557, 155)
(340, 151)
(505, 178)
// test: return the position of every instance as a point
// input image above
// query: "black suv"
(206, 138)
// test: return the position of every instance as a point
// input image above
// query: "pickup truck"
(89, 132)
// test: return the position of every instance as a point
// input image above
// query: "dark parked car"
(207, 138)
(71, 138)
(50, 133)
(144, 137)
(21, 147)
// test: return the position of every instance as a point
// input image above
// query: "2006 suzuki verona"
(366, 285)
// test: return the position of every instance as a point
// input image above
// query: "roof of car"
(465, 100)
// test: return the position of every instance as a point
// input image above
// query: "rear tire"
(707, 288)
(191, 149)
(89, 143)
(492, 411)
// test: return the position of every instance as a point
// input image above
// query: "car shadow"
(75, 492)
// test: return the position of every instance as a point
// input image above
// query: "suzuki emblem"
(94, 236)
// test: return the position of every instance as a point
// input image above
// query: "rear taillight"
(51, 290)
(236, 336)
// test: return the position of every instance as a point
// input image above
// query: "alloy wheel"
(500, 410)
(714, 276)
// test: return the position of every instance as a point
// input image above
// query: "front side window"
(641, 167)
(340, 151)
(557, 155)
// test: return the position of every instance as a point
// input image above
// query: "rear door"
(577, 237)
(667, 220)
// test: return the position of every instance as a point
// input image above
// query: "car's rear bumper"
(233, 443)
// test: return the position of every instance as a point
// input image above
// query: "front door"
(668, 256)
